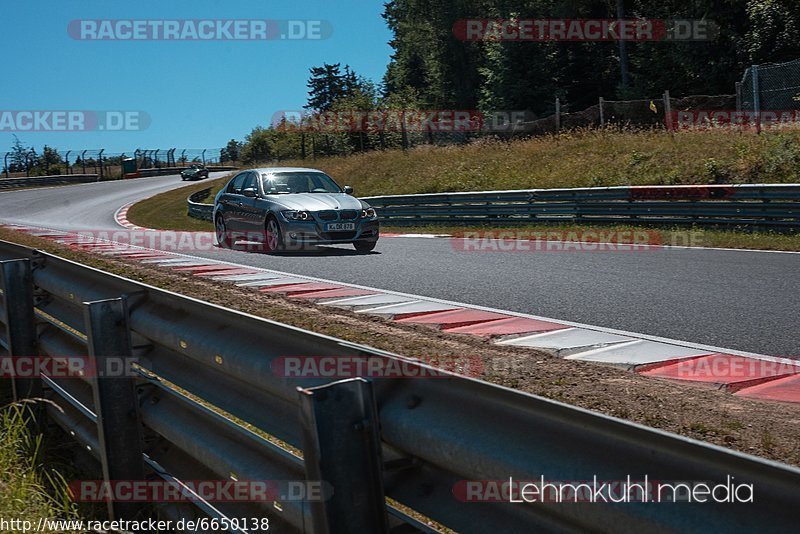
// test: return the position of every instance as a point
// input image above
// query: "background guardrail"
(36, 181)
(162, 171)
(198, 209)
(770, 205)
(415, 440)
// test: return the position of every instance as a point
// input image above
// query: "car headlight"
(297, 215)
(368, 213)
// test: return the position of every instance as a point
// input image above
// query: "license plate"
(340, 227)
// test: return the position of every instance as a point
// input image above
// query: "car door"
(252, 218)
(230, 203)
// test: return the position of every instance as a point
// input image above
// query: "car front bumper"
(314, 233)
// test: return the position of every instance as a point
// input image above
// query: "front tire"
(273, 238)
(365, 246)
(223, 238)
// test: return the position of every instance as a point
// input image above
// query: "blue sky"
(198, 94)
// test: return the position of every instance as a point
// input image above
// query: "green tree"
(19, 155)
(231, 151)
(256, 147)
(325, 85)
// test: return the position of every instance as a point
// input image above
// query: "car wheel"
(223, 239)
(273, 239)
(365, 246)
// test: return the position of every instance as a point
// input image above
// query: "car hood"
(317, 201)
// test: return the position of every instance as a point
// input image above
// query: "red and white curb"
(121, 217)
(741, 373)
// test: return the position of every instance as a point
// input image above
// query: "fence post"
(756, 99)
(116, 403)
(558, 115)
(738, 96)
(342, 450)
(403, 131)
(668, 111)
(17, 282)
(314, 147)
(602, 119)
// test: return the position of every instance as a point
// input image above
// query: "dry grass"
(29, 490)
(576, 159)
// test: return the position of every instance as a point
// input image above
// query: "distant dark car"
(195, 172)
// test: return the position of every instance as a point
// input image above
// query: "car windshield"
(298, 182)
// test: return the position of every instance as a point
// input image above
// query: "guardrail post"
(116, 404)
(342, 450)
(17, 282)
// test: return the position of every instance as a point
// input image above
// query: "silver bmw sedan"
(289, 208)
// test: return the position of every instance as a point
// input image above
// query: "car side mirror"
(348, 190)
(249, 192)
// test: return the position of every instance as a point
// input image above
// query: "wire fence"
(176, 157)
(108, 165)
(649, 113)
(770, 88)
(656, 112)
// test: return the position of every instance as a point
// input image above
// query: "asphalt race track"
(743, 300)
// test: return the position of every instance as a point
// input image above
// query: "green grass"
(679, 236)
(584, 158)
(28, 490)
(167, 211)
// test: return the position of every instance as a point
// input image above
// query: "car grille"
(344, 215)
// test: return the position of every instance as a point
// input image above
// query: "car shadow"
(312, 251)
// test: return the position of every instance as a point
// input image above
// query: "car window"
(249, 181)
(299, 182)
(235, 186)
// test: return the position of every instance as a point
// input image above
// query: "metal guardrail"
(771, 205)
(163, 171)
(415, 440)
(35, 181)
(198, 209)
